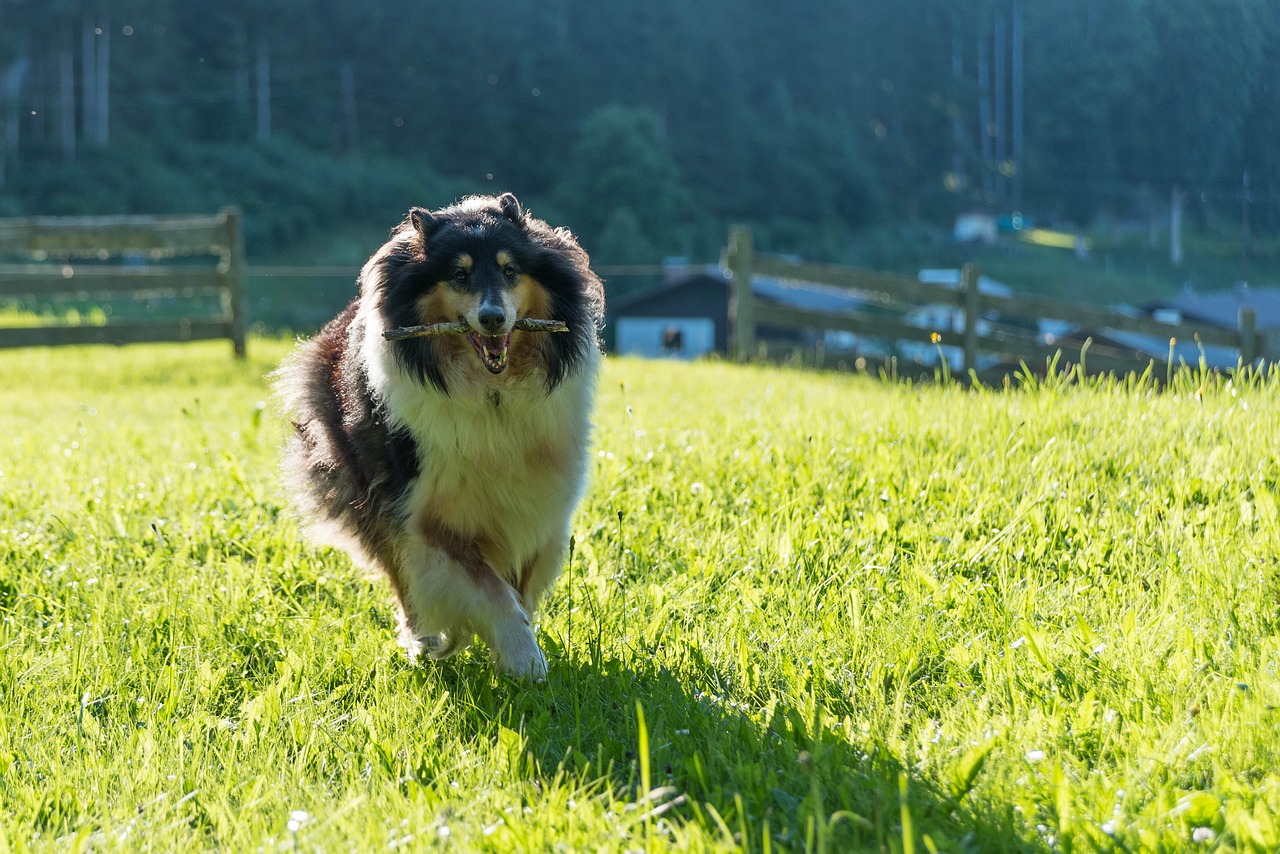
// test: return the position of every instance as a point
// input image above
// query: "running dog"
(452, 464)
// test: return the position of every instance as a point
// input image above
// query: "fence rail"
(64, 258)
(1011, 337)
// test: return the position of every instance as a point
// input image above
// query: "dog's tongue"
(493, 351)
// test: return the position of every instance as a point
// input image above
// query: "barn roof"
(801, 295)
(1222, 308)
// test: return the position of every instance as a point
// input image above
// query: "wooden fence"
(1001, 326)
(128, 258)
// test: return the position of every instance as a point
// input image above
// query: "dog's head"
(487, 262)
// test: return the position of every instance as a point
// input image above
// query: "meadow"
(804, 612)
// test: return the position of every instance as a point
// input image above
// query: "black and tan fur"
(453, 464)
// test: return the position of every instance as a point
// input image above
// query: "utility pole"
(350, 115)
(13, 114)
(984, 119)
(102, 110)
(263, 71)
(1016, 85)
(1244, 229)
(1177, 201)
(67, 94)
(957, 118)
(1000, 79)
(88, 80)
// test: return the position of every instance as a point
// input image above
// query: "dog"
(453, 464)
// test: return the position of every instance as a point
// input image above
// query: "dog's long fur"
(453, 464)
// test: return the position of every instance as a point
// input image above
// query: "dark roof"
(1222, 308)
(693, 280)
(801, 295)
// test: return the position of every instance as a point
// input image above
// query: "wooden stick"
(458, 327)
(534, 324)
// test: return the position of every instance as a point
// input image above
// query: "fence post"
(234, 274)
(742, 321)
(1248, 326)
(969, 284)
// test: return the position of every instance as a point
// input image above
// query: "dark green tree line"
(647, 126)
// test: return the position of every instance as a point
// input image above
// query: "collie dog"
(453, 464)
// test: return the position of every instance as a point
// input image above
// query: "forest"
(647, 127)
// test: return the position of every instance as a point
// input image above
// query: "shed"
(685, 318)
(689, 316)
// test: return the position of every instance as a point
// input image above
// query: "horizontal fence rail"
(103, 237)
(994, 324)
(60, 259)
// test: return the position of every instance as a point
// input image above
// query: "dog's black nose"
(492, 318)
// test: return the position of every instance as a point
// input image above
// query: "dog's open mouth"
(492, 350)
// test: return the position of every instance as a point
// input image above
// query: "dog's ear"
(511, 209)
(423, 222)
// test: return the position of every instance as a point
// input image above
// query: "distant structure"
(688, 316)
(975, 227)
(1213, 308)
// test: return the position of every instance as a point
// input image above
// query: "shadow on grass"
(781, 770)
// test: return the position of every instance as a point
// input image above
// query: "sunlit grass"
(1050, 616)
(13, 315)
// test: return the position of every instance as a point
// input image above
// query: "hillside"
(649, 128)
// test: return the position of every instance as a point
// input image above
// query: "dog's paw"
(530, 665)
(521, 657)
(435, 647)
(446, 644)
(413, 646)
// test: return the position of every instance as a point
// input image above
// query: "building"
(1222, 308)
(1215, 308)
(685, 318)
(689, 316)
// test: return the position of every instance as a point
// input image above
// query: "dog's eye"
(510, 272)
(460, 275)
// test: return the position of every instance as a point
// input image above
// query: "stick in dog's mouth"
(459, 327)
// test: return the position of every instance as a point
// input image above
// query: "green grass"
(804, 612)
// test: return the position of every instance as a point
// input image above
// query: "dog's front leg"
(451, 591)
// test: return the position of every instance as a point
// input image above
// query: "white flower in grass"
(1034, 755)
(1203, 835)
(297, 818)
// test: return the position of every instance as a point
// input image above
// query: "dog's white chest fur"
(500, 463)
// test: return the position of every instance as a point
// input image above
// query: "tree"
(1084, 77)
(619, 163)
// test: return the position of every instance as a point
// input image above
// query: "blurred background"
(1096, 149)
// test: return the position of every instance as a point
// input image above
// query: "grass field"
(804, 612)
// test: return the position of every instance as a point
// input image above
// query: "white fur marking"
(506, 476)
